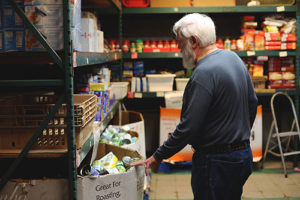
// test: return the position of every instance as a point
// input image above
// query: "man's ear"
(193, 42)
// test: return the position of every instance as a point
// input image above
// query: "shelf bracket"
(25, 150)
(36, 33)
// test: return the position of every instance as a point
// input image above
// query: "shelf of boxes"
(282, 53)
(226, 9)
(259, 92)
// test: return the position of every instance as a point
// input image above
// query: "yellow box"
(170, 3)
(98, 86)
(205, 3)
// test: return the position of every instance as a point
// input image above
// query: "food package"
(275, 76)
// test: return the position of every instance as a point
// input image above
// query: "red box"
(272, 43)
(273, 47)
(288, 45)
(272, 37)
(136, 3)
(275, 84)
(289, 37)
(156, 49)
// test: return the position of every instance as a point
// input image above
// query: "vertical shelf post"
(296, 146)
(68, 65)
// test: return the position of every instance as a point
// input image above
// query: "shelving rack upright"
(65, 60)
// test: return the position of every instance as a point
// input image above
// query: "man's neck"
(202, 52)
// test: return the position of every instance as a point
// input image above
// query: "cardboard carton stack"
(47, 16)
(92, 38)
(12, 34)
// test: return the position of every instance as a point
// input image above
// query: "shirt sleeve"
(196, 102)
(252, 101)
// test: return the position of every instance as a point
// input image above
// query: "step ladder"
(282, 137)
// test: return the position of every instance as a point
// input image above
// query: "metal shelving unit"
(229, 9)
(236, 9)
(266, 92)
(66, 60)
(172, 55)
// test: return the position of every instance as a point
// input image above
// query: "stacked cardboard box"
(47, 16)
(12, 34)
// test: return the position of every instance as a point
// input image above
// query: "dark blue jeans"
(220, 176)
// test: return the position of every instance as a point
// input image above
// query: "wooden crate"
(31, 110)
(14, 139)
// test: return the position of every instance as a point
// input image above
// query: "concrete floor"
(268, 183)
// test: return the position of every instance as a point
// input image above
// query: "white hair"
(197, 25)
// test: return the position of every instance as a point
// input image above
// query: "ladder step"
(291, 153)
(285, 134)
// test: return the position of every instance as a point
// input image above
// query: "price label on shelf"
(111, 115)
(282, 54)
(250, 53)
(176, 54)
(176, 9)
(280, 9)
(160, 94)
(74, 59)
(138, 95)
(134, 55)
(87, 60)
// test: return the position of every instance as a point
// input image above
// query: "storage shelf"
(80, 58)
(230, 9)
(154, 55)
(30, 83)
(150, 55)
(86, 58)
(259, 92)
(88, 145)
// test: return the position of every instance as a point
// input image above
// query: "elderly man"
(218, 111)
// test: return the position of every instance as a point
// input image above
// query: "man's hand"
(149, 162)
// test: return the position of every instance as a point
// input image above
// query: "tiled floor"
(268, 183)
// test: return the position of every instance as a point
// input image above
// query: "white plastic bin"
(160, 82)
(181, 83)
(119, 89)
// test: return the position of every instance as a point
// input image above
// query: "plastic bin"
(181, 83)
(160, 82)
(136, 3)
(119, 89)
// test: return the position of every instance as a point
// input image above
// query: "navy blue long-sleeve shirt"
(219, 105)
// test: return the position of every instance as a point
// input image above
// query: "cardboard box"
(88, 32)
(170, 3)
(136, 123)
(174, 99)
(10, 18)
(204, 3)
(45, 16)
(51, 189)
(14, 40)
(54, 36)
(43, 2)
(127, 186)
